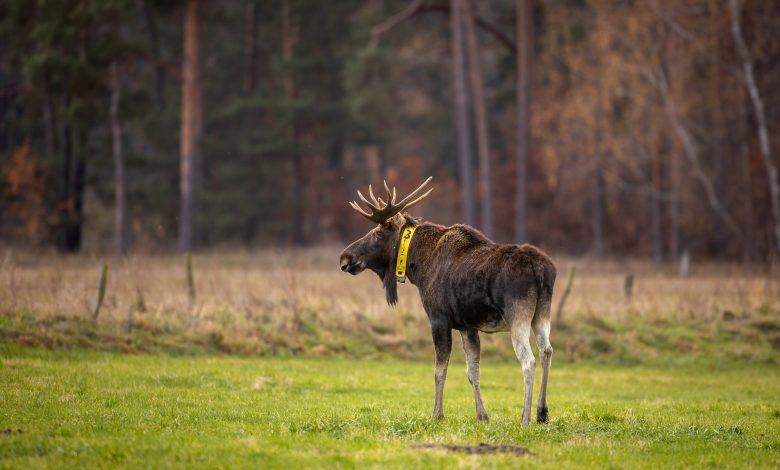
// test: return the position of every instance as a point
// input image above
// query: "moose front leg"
(442, 342)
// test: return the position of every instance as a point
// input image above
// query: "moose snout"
(350, 264)
(345, 261)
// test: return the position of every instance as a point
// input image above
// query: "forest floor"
(89, 409)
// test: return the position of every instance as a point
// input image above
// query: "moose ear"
(396, 222)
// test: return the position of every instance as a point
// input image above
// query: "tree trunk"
(50, 123)
(749, 79)
(747, 182)
(71, 202)
(75, 219)
(191, 126)
(297, 193)
(691, 150)
(525, 48)
(250, 45)
(372, 156)
(66, 199)
(481, 119)
(154, 46)
(674, 206)
(599, 209)
(599, 199)
(462, 124)
(120, 238)
(657, 219)
(289, 39)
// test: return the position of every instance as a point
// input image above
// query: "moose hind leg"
(442, 343)
(542, 330)
(471, 347)
(520, 330)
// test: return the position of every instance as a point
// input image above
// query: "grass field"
(281, 360)
(87, 409)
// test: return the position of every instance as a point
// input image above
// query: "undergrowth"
(299, 303)
(633, 340)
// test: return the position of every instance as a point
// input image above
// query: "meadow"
(280, 360)
(86, 409)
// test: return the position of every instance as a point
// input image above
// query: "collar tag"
(403, 253)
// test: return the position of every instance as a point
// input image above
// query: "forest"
(643, 129)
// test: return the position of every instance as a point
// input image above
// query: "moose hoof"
(542, 416)
(438, 415)
(483, 417)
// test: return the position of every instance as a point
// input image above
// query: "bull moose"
(466, 282)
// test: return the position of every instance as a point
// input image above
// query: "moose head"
(377, 249)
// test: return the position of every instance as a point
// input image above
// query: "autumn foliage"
(24, 212)
(652, 126)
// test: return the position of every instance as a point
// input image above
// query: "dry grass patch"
(298, 302)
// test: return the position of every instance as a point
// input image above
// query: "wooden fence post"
(566, 291)
(628, 285)
(101, 292)
(190, 281)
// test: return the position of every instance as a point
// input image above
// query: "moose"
(466, 282)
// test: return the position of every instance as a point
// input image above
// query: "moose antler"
(382, 211)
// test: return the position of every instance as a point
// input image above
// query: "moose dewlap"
(466, 283)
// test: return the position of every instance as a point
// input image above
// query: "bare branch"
(643, 189)
(656, 76)
(378, 30)
(416, 8)
(697, 43)
(482, 24)
(749, 79)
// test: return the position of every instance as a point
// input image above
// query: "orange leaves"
(20, 170)
(24, 183)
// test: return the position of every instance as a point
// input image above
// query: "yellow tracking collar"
(403, 252)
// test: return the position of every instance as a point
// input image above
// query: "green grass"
(90, 409)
